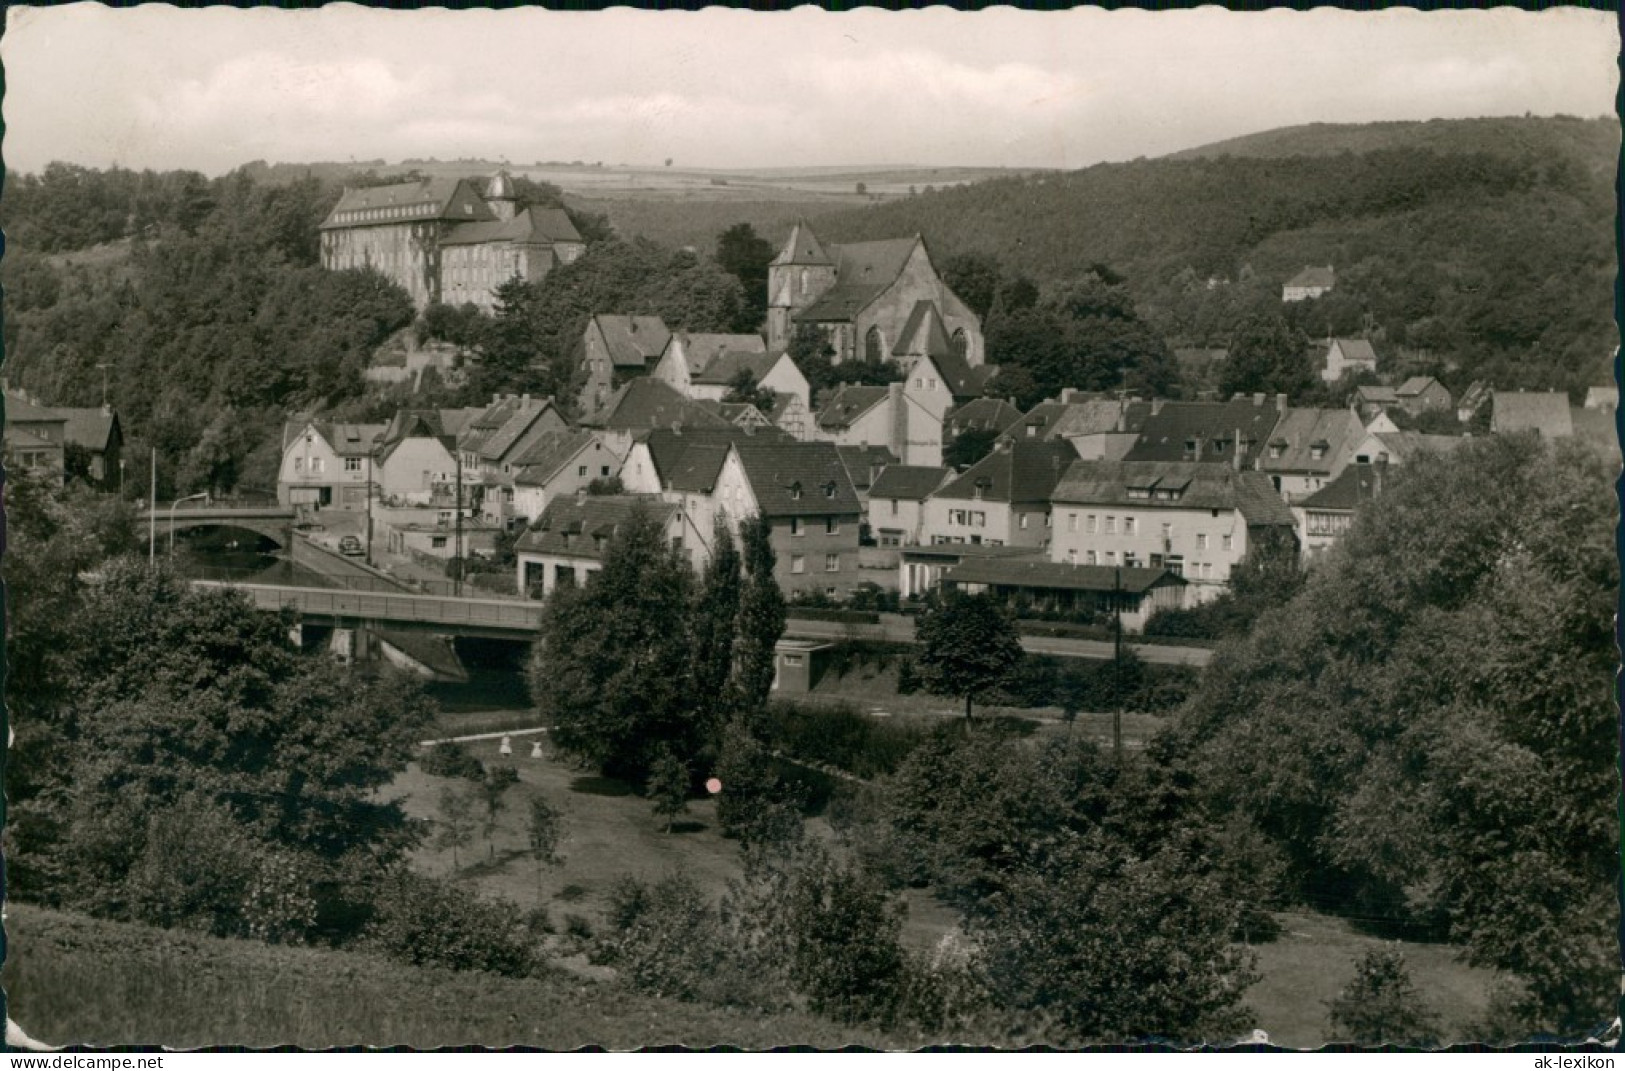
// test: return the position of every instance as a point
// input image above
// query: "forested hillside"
(1479, 247)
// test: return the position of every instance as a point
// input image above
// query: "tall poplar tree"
(761, 618)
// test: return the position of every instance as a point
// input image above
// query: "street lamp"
(204, 495)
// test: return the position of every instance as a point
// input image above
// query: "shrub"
(451, 760)
(667, 940)
(195, 870)
(842, 737)
(1381, 1006)
(431, 923)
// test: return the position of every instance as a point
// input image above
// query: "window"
(1131, 560)
(1089, 524)
(1201, 540)
(1023, 520)
(832, 525)
(603, 470)
(1111, 557)
(832, 563)
(1128, 525)
(1072, 556)
(894, 507)
(299, 464)
(1093, 559)
(919, 383)
(978, 519)
(437, 542)
(316, 464)
(1175, 564)
(798, 563)
(795, 492)
(1229, 542)
(932, 383)
(795, 526)
(872, 349)
(352, 464)
(581, 471)
(1111, 525)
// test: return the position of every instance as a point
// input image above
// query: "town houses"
(1081, 500)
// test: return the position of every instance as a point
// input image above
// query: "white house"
(561, 463)
(1195, 519)
(906, 417)
(896, 506)
(325, 464)
(1345, 355)
(567, 542)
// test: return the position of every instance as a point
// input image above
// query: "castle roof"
(428, 199)
(533, 226)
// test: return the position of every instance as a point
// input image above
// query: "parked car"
(350, 545)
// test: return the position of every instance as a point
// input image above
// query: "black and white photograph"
(879, 529)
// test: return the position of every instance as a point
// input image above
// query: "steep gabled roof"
(1546, 413)
(519, 422)
(1356, 349)
(964, 379)
(848, 404)
(863, 271)
(701, 349)
(433, 198)
(802, 247)
(1299, 431)
(989, 414)
(1165, 433)
(862, 460)
(923, 333)
(726, 367)
(644, 403)
(633, 341)
(688, 459)
(1373, 394)
(582, 527)
(350, 440)
(543, 459)
(91, 428)
(1353, 488)
(913, 483)
(1196, 485)
(797, 479)
(20, 410)
(1020, 472)
(1099, 416)
(1416, 385)
(1403, 446)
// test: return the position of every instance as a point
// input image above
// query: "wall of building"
(1201, 545)
(595, 461)
(310, 464)
(896, 518)
(977, 520)
(415, 466)
(408, 253)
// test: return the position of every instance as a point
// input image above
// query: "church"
(872, 300)
(446, 242)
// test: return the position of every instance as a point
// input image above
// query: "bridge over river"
(521, 619)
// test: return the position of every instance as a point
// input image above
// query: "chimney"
(524, 401)
(1067, 394)
(496, 399)
(1280, 401)
(1258, 399)
(1156, 405)
(899, 421)
(1236, 460)
(677, 427)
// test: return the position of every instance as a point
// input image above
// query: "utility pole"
(459, 519)
(152, 515)
(369, 507)
(1117, 666)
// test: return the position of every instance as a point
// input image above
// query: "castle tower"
(500, 195)
(796, 278)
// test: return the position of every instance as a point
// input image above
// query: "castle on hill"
(446, 242)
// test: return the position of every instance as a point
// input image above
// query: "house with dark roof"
(803, 491)
(566, 544)
(561, 463)
(326, 463)
(708, 367)
(1544, 413)
(1309, 283)
(1419, 394)
(865, 298)
(904, 417)
(1346, 355)
(1130, 595)
(1002, 500)
(1326, 516)
(643, 404)
(97, 432)
(681, 465)
(1195, 519)
(864, 465)
(416, 462)
(1232, 432)
(444, 240)
(616, 348)
(896, 506)
(1309, 448)
(994, 415)
(493, 443)
(35, 437)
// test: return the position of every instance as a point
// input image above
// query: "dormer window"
(795, 491)
(1277, 449)
(1317, 450)
(1190, 446)
(829, 489)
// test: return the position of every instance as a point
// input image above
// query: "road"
(899, 628)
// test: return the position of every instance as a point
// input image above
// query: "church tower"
(499, 194)
(797, 277)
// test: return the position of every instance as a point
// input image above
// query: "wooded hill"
(1480, 247)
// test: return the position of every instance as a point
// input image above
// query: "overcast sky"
(155, 86)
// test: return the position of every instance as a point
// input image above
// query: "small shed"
(798, 664)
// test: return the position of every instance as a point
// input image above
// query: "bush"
(430, 923)
(1380, 1005)
(451, 760)
(805, 612)
(667, 940)
(841, 737)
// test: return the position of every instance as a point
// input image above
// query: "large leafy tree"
(1426, 731)
(745, 255)
(1267, 355)
(611, 669)
(968, 646)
